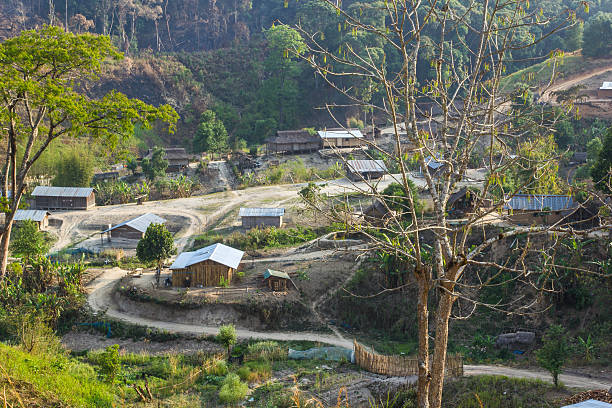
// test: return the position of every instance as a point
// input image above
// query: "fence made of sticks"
(400, 366)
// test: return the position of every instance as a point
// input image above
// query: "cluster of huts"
(303, 141)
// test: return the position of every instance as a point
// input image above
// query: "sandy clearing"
(571, 81)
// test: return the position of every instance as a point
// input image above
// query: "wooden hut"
(378, 214)
(528, 209)
(277, 280)
(293, 141)
(357, 170)
(106, 176)
(177, 157)
(63, 198)
(40, 217)
(261, 217)
(605, 90)
(134, 228)
(341, 138)
(213, 265)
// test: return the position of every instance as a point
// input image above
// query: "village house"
(365, 169)
(277, 280)
(261, 217)
(465, 201)
(63, 198)
(134, 228)
(40, 217)
(435, 167)
(528, 209)
(178, 159)
(378, 214)
(341, 138)
(605, 90)
(105, 176)
(293, 141)
(213, 265)
(579, 158)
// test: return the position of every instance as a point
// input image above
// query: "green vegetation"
(602, 168)
(75, 169)
(227, 337)
(155, 166)
(28, 241)
(293, 171)
(232, 389)
(597, 33)
(211, 135)
(554, 352)
(397, 198)
(259, 238)
(156, 246)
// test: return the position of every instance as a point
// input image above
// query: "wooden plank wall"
(205, 273)
(400, 366)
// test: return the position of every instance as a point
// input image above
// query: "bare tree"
(439, 123)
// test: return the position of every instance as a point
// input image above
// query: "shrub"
(227, 337)
(266, 350)
(554, 351)
(28, 241)
(233, 390)
(110, 365)
(215, 366)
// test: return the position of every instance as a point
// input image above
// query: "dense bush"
(259, 238)
(233, 390)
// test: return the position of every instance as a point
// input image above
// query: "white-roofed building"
(261, 217)
(63, 198)
(341, 138)
(605, 90)
(213, 265)
(134, 228)
(41, 217)
(590, 404)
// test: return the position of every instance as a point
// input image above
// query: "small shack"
(134, 228)
(341, 138)
(464, 201)
(579, 157)
(378, 214)
(293, 141)
(105, 176)
(213, 265)
(605, 90)
(434, 167)
(177, 157)
(365, 169)
(63, 198)
(40, 217)
(277, 280)
(527, 209)
(261, 217)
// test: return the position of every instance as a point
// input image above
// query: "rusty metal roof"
(366, 166)
(47, 191)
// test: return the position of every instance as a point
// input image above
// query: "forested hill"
(223, 55)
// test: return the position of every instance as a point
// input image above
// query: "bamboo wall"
(207, 273)
(400, 366)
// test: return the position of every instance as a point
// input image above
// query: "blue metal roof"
(538, 202)
(34, 215)
(590, 404)
(433, 163)
(219, 253)
(270, 272)
(140, 223)
(261, 212)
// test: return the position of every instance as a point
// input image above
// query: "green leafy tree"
(42, 77)
(155, 166)
(156, 246)
(397, 199)
(542, 179)
(132, 165)
(593, 148)
(28, 241)
(602, 168)
(596, 37)
(74, 170)
(110, 364)
(554, 351)
(211, 135)
(233, 390)
(227, 337)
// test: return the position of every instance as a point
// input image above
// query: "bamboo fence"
(400, 366)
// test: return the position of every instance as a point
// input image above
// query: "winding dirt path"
(571, 81)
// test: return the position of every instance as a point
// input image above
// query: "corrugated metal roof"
(538, 202)
(606, 85)
(34, 215)
(367, 166)
(219, 253)
(261, 212)
(341, 133)
(140, 223)
(590, 404)
(433, 163)
(48, 191)
(270, 272)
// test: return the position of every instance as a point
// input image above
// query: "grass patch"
(260, 238)
(539, 74)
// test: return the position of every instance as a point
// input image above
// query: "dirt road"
(100, 299)
(570, 380)
(571, 81)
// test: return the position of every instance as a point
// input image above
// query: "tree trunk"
(423, 333)
(4, 248)
(439, 357)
